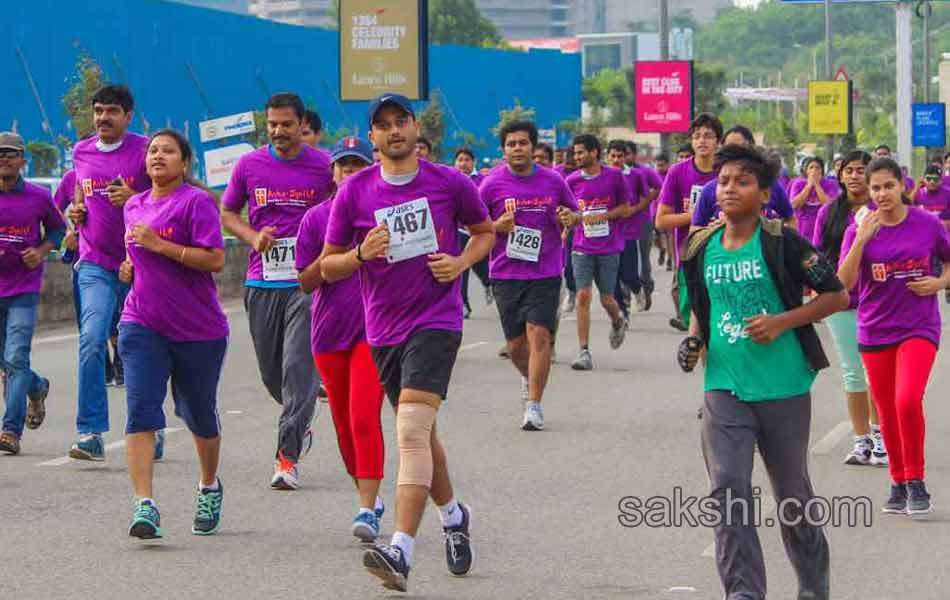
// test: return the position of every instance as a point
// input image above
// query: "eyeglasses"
(704, 136)
(932, 179)
(9, 153)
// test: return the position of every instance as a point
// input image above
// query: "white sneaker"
(569, 302)
(861, 453)
(617, 333)
(533, 417)
(524, 389)
(286, 476)
(878, 451)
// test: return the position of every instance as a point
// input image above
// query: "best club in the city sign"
(664, 95)
(383, 48)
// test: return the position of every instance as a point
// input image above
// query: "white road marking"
(826, 444)
(235, 412)
(470, 346)
(64, 460)
(682, 588)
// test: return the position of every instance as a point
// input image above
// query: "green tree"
(514, 113)
(611, 92)
(78, 98)
(460, 22)
(709, 85)
(44, 158)
(432, 124)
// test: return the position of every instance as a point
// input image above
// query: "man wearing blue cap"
(396, 224)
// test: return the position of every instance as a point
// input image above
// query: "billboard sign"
(663, 91)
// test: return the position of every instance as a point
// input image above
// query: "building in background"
(312, 13)
(233, 6)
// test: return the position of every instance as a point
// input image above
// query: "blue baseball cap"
(383, 99)
(352, 146)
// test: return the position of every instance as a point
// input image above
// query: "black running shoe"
(918, 499)
(897, 502)
(458, 544)
(389, 565)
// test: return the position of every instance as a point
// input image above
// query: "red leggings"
(898, 378)
(356, 398)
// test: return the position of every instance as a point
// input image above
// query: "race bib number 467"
(411, 231)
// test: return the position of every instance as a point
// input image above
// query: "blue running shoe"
(458, 544)
(388, 564)
(208, 516)
(366, 527)
(159, 445)
(88, 447)
(146, 522)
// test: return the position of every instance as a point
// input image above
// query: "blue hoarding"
(929, 124)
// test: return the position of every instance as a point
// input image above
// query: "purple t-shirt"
(278, 193)
(602, 194)
(178, 302)
(400, 294)
(936, 203)
(478, 179)
(537, 251)
(681, 190)
(707, 209)
(26, 212)
(818, 242)
(66, 190)
(632, 226)
(101, 236)
(807, 213)
(888, 312)
(337, 318)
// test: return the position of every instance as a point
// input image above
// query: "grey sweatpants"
(279, 320)
(780, 428)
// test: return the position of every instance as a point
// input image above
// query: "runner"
(681, 189)
(65, 193)
(311, 132)
(652, 184)
(172, 327)
(743, 280)
(707, 210)
(424, 148)
(629, 283)
(832, 221)
(338, 342)
(684, 153)
(565, 166)
(278, 183)
(530, 205)
(465, 163)
(930, 193)
(30, 227)
(884, 151)
(110, 169)
(402, 216)
(603, 197)
(888, 259)
(810, 192)
(544, 155)
(662, 239)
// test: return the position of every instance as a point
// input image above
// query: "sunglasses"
(932, 178)
(8, 153)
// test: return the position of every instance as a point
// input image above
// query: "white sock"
(534, 404)
(363, 509)
(450, 514)
(379, 503)
(875, 428)
(404, 542)
(214, 487)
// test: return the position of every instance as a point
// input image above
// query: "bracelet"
(181, 258)
(359, 255)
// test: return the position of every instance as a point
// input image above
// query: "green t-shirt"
(740, 286)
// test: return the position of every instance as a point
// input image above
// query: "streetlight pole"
(829, 50)
(665, 55)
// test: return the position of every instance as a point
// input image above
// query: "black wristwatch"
(359, 256)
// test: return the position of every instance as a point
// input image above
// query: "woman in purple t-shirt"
(172, 326)
(830, 225)
(809, 193)
(888, 258)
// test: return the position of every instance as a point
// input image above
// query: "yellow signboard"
(383, 48)
(829, 107)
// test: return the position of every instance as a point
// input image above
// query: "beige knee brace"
(414, 423)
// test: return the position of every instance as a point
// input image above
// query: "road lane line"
(826, 444)
(470, 346)
(64, 460)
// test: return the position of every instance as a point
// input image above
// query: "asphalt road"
(545, 504)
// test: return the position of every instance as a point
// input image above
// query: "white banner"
(220, 162)
(223, 127)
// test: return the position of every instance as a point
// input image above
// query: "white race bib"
(694, 193)
(279, 262)
(524, 243)
(411, 231)
(599, 230)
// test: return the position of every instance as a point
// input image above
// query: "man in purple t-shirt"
(30, 226)
(110, 169)
(403, 216)
(628, 275)
(278, 184)
(603, 197)
(530, 205)
(652, 184)
(681, 191)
